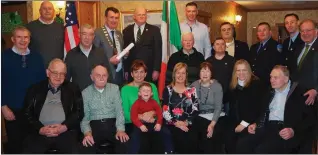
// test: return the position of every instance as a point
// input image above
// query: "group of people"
(224, 98)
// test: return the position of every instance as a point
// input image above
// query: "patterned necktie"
(303, 56)
(138, 34)
(113, 35)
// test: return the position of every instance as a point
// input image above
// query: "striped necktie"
(303, 56)
(138, 34)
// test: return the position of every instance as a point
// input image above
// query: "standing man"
(148, 45)
(264, 55)
(47, 36)
(20, 68)
(84, 57)
(235, 48)
(305, 67)
(200, 31)
(54, 109)
(293, 41)
(111, 40)
(222, 68)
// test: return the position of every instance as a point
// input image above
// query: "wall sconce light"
(60, 5)
(238, 19)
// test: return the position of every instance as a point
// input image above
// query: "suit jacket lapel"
(291, 90)
(144, 33)
(133, 32)
(107, 37)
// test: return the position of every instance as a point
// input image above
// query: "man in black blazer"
(148, 45)
(293, 41)
(237, 49)
(265, 54)
(54, 109)
(305, 64)
(284, 121)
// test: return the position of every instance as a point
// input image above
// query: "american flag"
(71, 35)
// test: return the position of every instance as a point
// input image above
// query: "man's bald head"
(187, 41)
(140, 16)
(47, 11)
(99, 76)
(57, 63)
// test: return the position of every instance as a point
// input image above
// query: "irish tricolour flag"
(171, 38)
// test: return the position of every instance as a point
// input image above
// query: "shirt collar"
(187, 53)
(84, 50)
(108, 29)
(312, 42)
(195, 22)
(53, 90)
(286, 90)
(240, 82)
(15, 50)
(295, 36)
(230, 43)
(141, 26)
(99, 90)
(264, 42)
(45, 22)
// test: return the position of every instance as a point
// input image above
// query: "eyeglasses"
(56, 74)
(98, 76)
(303, 31)
(24, 61)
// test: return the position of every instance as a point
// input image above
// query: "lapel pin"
(291, 49)
(312, 49)
(146, 29)
(225, 63)
(264, 49)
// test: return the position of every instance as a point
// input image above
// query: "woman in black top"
(245, 96)
(180, 106)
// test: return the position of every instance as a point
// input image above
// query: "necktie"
(260, 47)
(114, 43)
(303, 56)
(138, 34)
(290, 43)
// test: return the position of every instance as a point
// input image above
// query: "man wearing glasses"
(54, 109)
(305, 69)
(84, 57)
(20, 69)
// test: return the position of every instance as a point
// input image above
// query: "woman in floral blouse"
(180, 105)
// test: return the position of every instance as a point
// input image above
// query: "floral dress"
(179, 107)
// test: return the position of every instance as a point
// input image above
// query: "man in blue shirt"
(20, 69)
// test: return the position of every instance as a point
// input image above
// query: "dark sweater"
(222, 72)
(16, 79)
(193, 62)
(245, 103)
(79, 66)
(47, 39)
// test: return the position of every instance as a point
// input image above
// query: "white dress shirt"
(142, 27)
(277, 106)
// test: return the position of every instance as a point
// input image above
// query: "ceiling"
(278, 5)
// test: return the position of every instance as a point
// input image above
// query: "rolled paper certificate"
(125, 51)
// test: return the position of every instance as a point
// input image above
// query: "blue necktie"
(260, 47)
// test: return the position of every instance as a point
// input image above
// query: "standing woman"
(180, 106)
(210, 96)
(245, 96)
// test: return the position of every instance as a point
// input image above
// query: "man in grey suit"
(111, 40)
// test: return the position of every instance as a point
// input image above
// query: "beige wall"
(222, 12)
(274, 17)
(149, 5)
(33, 10)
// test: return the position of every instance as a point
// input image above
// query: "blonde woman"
(180, 105)
(245, 96)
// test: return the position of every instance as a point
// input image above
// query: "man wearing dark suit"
(111, 40)
(54, 109)
(237, 49)
(264, 55)
(148, 45)
(293, 41)
(284, 121)
(305, 64)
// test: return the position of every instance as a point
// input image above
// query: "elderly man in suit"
(111, 40)
(148, 45)
(285, 120)
(305, 65)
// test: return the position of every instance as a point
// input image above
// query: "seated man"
(104, 118)
(54, 109)
(285, 119)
